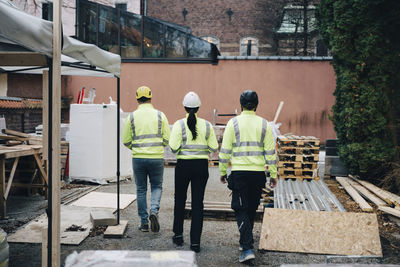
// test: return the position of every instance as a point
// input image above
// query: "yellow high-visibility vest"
(249, 145)
(181, 141)
(146, 132)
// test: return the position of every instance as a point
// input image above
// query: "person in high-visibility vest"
(249, 145)
(146, 132)
(192, 138)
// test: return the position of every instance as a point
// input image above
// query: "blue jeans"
(154, 169)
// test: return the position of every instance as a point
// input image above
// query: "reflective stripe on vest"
(147, 136)
(204, 148)
(249, 143)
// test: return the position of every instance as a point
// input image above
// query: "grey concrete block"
(335, 167)
(105, 218)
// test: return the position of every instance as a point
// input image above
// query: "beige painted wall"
(306, 87)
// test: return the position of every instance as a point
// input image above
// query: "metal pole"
(118, 148)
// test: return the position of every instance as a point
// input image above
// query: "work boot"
(155, 226)
(247, 255)
(177, 240)
(195, 248)
(144, 227)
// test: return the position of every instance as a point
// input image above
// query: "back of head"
(192, 102)
(143, 94)
(249, 100)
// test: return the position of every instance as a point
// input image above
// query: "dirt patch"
(389, 230)
(391, 180)
(98, 230)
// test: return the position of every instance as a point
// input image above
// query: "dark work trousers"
(246, 194)
(195, 172)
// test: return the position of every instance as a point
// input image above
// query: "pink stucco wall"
(306, 87)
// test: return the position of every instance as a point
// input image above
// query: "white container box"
(93, 144)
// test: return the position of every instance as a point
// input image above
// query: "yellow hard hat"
(143, 91)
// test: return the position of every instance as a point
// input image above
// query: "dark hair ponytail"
(191, 121)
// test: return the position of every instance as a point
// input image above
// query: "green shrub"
(364, 38)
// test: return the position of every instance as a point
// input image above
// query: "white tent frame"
(21, 30)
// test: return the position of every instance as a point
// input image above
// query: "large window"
(139, 37)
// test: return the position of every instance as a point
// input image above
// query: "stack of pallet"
(298, 157)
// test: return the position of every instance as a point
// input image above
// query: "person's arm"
(212, 140)
(165, 130)
(175, 139)
(127, 133)
(270, 155)
(226, 151)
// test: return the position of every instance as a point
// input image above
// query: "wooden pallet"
(300, 177)
(299, 158)
(298, 150)
(296, 172)
(297, 164)
(219, 211)
(298, 141)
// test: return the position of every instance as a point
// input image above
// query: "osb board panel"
(32, 232)
(104, 200)
(338, 233)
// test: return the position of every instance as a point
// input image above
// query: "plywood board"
(32, 232)
(104, 200)
(116, 230)
(336, 233)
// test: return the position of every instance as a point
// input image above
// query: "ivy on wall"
(364, 39)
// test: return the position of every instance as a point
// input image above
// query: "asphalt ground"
(219, 245)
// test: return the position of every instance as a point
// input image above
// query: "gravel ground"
(219, 239)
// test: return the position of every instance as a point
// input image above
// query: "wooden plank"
(22, 59)
(354, 194)
(21, 153)
(56, 120)
(391, 211)
(116, 230)
(44, 247)
(320, 232)
(390, 198)
(367, 194)
(104, 200)
(40, 166)
(10, 179)
(20, 134)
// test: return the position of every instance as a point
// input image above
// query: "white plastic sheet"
(93, 144)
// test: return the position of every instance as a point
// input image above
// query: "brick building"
(253, 27)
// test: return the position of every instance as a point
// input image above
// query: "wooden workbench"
(15, 152)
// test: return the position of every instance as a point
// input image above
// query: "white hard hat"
(191, 100)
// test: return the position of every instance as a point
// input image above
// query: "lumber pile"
(298, 157)
(219, 211)
(361, 191)
(13, 138)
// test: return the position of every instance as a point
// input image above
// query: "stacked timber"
(298, 157)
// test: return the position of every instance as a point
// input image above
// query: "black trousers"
(246, 194)
(194, 172)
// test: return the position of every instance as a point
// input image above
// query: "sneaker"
(155, 226)
(177, 240)
(195, 248)
(246, 255)
(240, 248)
(144, 227)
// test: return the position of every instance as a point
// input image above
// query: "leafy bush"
(364, 40)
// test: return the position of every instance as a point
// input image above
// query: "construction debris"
(343, 181)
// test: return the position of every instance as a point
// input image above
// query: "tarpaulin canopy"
(36, 35)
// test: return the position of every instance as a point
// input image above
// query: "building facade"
(247, 28)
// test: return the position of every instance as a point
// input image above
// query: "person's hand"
(223, 179)
(273, 182)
